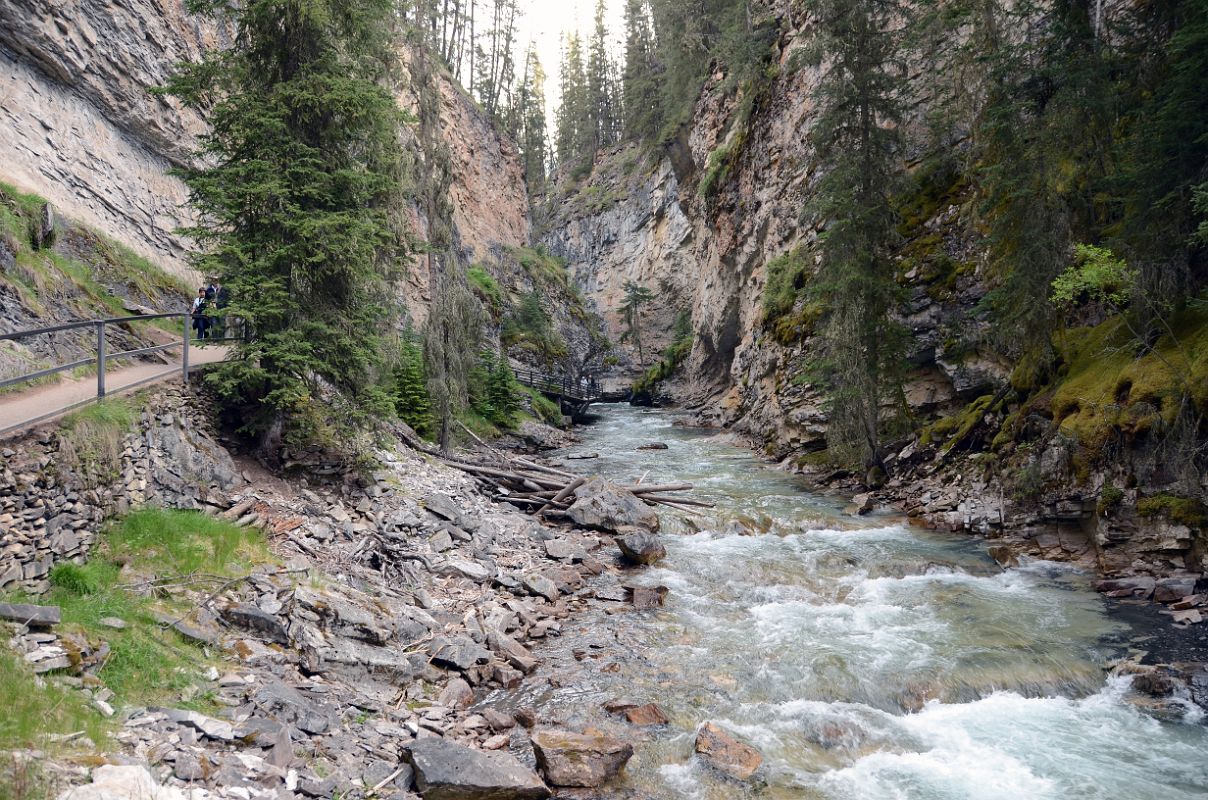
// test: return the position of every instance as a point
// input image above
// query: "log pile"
(548, 491)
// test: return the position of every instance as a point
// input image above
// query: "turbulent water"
(864, 658)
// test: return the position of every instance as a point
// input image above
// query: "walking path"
(19, 410)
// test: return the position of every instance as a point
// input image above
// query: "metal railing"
(103, 356)
(562, 385)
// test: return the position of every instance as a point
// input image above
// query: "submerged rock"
(603, 505)
(726, 753)
(445, 770)
(579, 759)
(640, 547)
(648, 714)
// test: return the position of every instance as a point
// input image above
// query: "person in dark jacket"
(201, 306)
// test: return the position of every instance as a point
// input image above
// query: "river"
(864, 657)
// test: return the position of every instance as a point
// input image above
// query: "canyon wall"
(82, 129)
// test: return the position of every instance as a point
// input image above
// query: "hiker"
(222, 298)
(201, 322)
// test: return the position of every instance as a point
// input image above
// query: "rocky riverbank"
(351, 667)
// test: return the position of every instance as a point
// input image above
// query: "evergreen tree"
(636, 296)
(858, 140)
(602, 111)
(640, 92)
(297, 185)
(529, 126)
(451, 342)
(411, 399)
(575, 138)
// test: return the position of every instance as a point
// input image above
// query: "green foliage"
(90, 441)
(1096, 276)
(1189, 511)
(487, 288)
(631, 314)
(673, 356)
(36, 709)
(452, 339)
(543, 408)
(494, 391)
(954, 430)
(859, 358)
(411, 399)
(298, 183)
(528, 327)
(1110, 497)
(146, 663)
(787, 312)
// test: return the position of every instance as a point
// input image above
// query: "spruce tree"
(858, 141)
(640, 94)
(602, 106)
(298, 186)
(529, 122)
(636, 296)
(575, 138)
(451, 344)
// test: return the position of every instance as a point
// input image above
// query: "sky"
(543, 23)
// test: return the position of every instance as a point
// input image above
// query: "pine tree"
(636, 296)
(858, 141)
(640, 76)
(451, 343)
(411, 399)
(298, 187)
(528, 122)
(574, 134)
(602, 106)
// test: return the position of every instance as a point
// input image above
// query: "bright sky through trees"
(545, 21)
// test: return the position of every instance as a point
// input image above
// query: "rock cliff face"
(82, 129)
(727, 204)
(701, 226)
(80, 126)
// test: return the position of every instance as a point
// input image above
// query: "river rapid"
(864, 657)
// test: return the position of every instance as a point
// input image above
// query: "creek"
(864, 657)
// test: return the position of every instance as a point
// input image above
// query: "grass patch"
(90, 441)
(35, 708)
(487, 288)
(147, 664)
(544, 409)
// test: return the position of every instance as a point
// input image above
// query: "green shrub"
(1097, 275)
(487, 288)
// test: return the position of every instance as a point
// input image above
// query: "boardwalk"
(573, 395)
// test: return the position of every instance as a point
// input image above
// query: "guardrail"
(562, 385)
(103, 357)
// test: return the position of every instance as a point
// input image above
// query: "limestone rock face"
(445, 770)
(578, 759)
(603, 505)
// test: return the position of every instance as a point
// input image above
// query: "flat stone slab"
(446, 770)
(31, 615)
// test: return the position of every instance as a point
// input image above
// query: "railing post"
(184, 370)
(100, 359)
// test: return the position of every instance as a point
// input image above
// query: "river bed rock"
(726, 753)
(445, 770)
(640, 547)
(578, 759)
(604, 505)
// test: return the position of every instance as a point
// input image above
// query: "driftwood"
(547, 491)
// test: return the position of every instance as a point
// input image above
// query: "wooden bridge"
(572, 395)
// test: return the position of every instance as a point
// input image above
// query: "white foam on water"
(1006, 746)
(682, 779)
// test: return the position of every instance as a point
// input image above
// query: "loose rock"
(726, 753)
(577, 759)
(445, 770)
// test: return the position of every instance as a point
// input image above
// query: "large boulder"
(640, 547)
(603, 505)
(579, 759)
(446, 770)
(726, 753)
